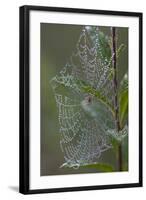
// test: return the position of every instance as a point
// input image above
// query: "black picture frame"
(24, 122)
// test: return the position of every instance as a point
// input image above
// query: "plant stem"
(115, 84)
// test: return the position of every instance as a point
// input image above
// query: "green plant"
(120, 110)
(88, 92)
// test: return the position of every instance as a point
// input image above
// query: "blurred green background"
(57, 44)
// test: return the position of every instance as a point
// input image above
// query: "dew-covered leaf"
(102, 167)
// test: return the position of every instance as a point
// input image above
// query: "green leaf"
(120, 49)
(123, 101)
(102, 167)
(123, 107)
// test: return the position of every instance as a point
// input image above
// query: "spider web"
(85, 120)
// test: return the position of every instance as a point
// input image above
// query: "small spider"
(88, 99)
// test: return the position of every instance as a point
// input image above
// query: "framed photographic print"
(80, 99)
